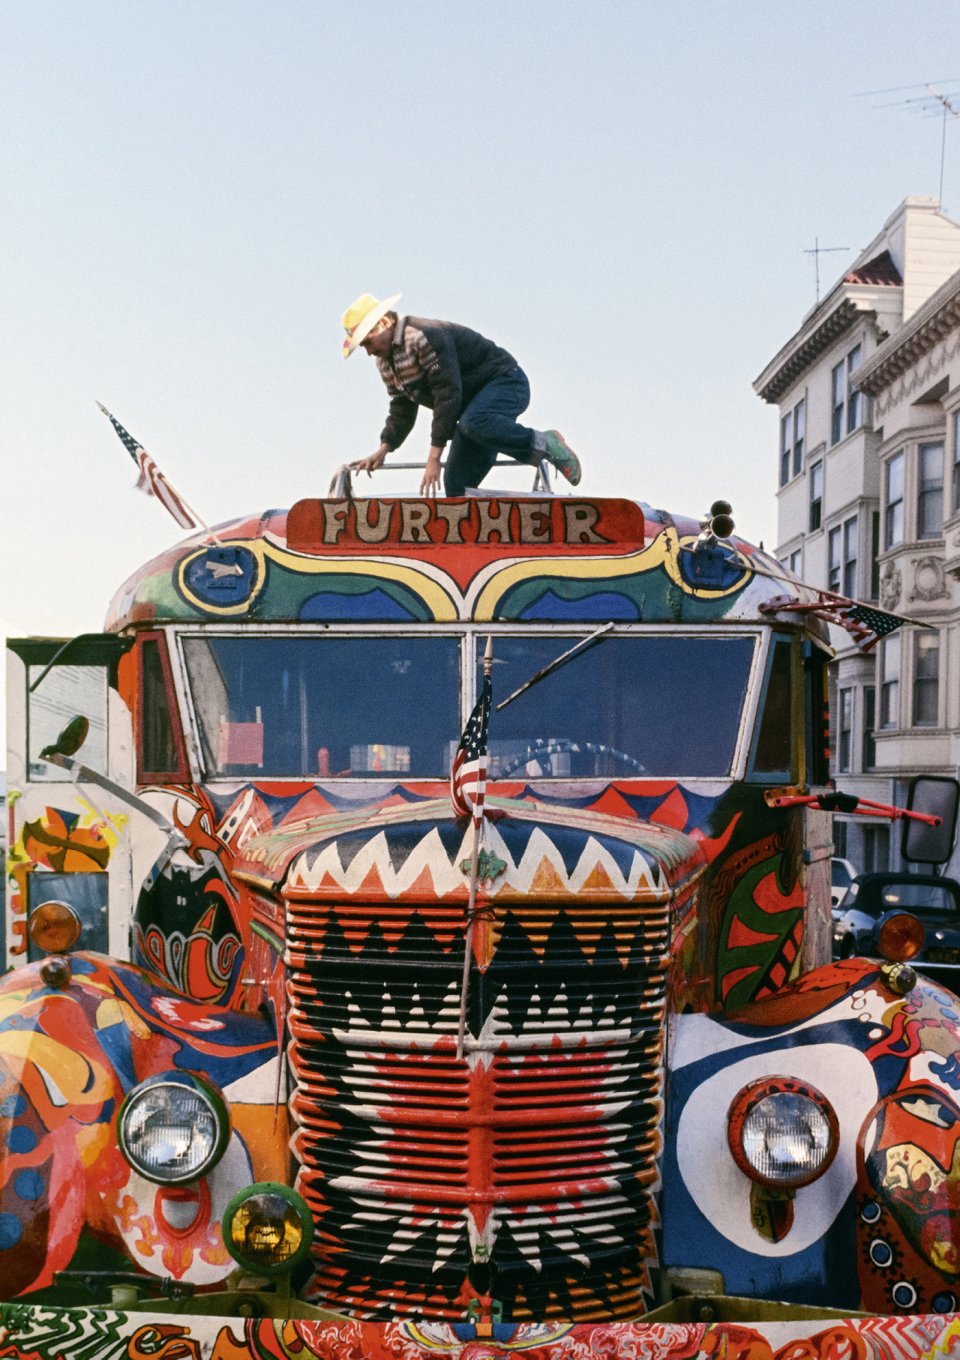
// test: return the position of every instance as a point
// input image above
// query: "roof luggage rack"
(341, 484)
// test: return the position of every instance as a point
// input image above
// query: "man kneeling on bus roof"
(475, 388)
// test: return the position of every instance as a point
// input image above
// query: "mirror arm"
(849, 803)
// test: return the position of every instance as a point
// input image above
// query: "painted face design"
(915, 1167)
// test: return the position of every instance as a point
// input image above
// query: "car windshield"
(283, 705)
(919, 897)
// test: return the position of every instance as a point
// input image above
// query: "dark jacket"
(440, 365)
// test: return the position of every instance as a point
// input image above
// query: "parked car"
(842, 874)
(871, 898)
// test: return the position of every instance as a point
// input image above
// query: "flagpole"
(468, 935)
(202, 523)
(474, 877)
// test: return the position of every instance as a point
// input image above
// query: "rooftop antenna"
(949, 111)
(929, 102)
(816, 252)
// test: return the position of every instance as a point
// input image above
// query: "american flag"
(151, 481)
(865, 624)
(468, 777)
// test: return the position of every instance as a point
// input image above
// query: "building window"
(842, 558)
(956, 460)
(890, 682)
(876, 849)
(926, 678)
(850, 556)
(893, 502)
(792, 432)
(845, 732)
(837, 388)
(816, 496)
(840, 837)
(795, 561)
(845, 400)
(930, 490)
(786, 426)
(874, 554)
(853, 395)
(833, 559)
(869, 727)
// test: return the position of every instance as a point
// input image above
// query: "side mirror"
(70, 739)
(937, 795)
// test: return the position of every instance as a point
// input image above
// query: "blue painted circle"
(903, 1294)
(222, 577)
(28, 1184)
(870, 1211)
(12, 1105)
(21, 1139)
(945, 1302)
(881, 1253)
(11, 1230)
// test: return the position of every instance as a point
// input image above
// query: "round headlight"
(173, 1128)
(783, 1133)
(54, 927)
(267, 1229)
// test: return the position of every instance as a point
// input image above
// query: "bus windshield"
(646, 704)
(353, 706)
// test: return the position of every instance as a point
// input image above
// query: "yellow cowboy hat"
(361, 316)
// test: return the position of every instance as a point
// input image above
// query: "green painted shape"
(761, 955)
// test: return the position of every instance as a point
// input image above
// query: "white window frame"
(930, 495)
(926, 640)
(892, 538)
(816, 502)
(793, 428)
(891, 661)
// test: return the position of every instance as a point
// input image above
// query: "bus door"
(70, 757)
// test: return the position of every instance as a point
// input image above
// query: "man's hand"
(431, 473)
(370, 464)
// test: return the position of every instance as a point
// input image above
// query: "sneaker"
(561, 455)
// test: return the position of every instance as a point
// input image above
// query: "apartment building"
(868, 392)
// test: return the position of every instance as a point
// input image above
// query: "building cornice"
(938, 316)
(836, 314)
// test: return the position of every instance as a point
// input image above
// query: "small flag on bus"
(151, 481)
(865, 623)
(468, 777)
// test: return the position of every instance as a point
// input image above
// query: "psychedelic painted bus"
(298, 1062)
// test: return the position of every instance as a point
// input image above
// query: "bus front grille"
(527, 1170)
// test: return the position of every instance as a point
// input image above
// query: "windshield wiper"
(583, 645)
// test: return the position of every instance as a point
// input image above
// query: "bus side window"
(58, 695)
(771, 758)
(160, 740)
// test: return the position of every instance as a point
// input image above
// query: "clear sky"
(619, 192)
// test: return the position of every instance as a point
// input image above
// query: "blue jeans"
(488, 426)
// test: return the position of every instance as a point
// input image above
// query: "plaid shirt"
(440, 365)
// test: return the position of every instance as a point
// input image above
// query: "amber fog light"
(783, 1133)
(900, 936)
(267, 1229)
(54, 927)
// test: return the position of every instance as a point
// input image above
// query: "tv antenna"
(929, 102)
(816, 252)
